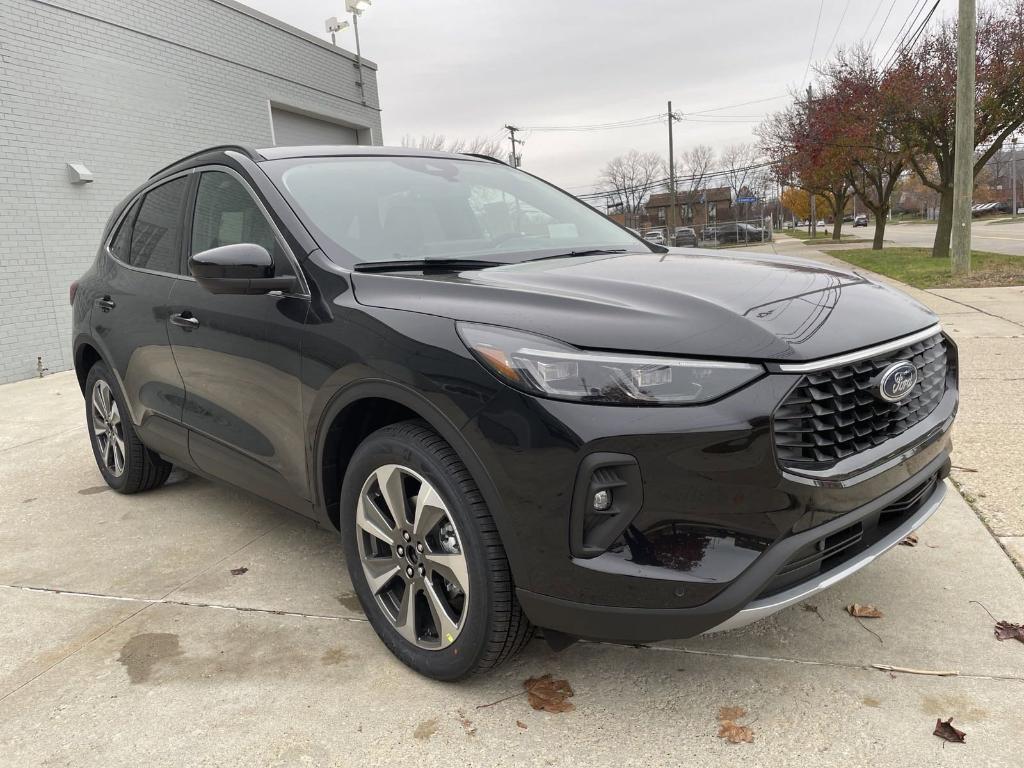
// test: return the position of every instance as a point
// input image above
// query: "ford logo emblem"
(896, 381)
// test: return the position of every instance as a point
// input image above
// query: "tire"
(113, 437)
(481, 627)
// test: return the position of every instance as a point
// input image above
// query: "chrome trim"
(853, 357)
(760, 609)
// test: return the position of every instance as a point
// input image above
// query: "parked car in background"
(514, 413)
(860, 220)
(821, 223)
(656, 236)
(685, 237)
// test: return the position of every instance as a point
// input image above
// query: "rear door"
(239, 355)
(129, 319)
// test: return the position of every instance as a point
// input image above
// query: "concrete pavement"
(127, 641)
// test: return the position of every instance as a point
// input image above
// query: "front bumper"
(738, 604)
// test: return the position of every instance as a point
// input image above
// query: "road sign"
(746, 199)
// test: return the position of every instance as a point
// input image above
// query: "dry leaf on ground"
(910, 540)
(729, 729)
(944, 730)
(1007, 631)
(239, 571)
(521, 724)
(548, 694)
(864, 611)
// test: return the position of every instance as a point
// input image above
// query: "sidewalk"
(988, 327)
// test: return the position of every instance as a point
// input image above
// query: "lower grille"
(833, 414)
(831, 551)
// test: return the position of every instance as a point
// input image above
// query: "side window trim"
(134, 206)
(303, 291)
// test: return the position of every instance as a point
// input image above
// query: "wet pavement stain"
(333, 656)
(94, 489)
(143, 652)
(871, 701)
(350, 601)
(426, 729)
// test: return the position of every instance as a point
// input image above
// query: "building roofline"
(293, 31)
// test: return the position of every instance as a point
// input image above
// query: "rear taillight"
(72, 291)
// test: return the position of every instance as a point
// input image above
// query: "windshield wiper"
(587, 252)
(422, 264)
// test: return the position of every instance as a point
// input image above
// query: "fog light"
(603, 501)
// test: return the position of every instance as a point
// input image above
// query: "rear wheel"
(425, 557)
(126, 464)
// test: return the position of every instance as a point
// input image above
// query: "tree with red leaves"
(921, 90)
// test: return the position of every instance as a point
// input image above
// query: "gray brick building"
(123, 87)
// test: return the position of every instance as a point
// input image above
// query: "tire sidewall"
(98, 372)
(461, 657)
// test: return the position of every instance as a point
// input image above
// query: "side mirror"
(242, 268)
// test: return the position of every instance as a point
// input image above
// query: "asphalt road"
(997, 237)
(126, 640)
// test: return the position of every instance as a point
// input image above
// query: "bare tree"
(438, 142)
(694, 165)
(738, 161)
(630, 178)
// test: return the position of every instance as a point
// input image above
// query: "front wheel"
(425, 557)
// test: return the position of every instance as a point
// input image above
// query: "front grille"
(833, 414)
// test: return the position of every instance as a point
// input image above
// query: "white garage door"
(293, 129)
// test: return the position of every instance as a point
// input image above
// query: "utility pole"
(963, 160)
(1013, 175)
(812, 223)
(516, 160)
(673, 218)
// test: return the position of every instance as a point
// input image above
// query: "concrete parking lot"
(127, 640)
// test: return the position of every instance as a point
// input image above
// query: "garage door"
(293, 129)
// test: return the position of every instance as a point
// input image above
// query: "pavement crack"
(786, 660)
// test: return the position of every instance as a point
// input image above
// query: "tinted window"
(121, 243)
(226, 214)
(380, 208)
(156, 236)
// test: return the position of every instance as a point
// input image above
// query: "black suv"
(515, 412)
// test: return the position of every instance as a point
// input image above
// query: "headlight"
(543, 366)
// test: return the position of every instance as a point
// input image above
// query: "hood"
(685, 302)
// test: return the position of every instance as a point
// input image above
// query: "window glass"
(156, 236)
(226, 214)
(382, 208)
(121, 243)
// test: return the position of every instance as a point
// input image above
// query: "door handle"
(185, 320)
(106, 303)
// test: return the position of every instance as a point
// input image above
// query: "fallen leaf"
(521, 724)
(467, 724)
(734, 733)
(239, 571)
(944, 730)
(548, 694)
(730, 713)
(1007, 631)
(729, 729)
(864, 611)
(910, 540)
(812, 609)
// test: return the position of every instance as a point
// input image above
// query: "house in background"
(696, 208)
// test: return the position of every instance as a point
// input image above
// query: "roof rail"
(484, 157)
(249, 152)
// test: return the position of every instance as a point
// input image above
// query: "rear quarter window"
(156, 233)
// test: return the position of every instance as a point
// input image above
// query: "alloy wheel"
(107, 428)
(412, 556)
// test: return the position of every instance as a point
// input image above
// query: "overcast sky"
(467, 67)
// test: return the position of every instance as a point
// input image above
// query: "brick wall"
(125, 87)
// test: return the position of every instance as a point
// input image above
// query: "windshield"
(398, 208)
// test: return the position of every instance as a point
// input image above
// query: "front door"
(239, 355)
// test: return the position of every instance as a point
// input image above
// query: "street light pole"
(674, 218)
(963, 160)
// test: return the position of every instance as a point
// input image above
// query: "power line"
(910, 42)
(872, 19)
(630, 123)
(740, 104)
(814, 40)
(838, 27)
(892, 5)
(656, 183)
(900, 34)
